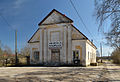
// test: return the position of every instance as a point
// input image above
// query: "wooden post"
(101, 51)
(16, 60)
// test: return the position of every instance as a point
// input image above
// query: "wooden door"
(55, 57)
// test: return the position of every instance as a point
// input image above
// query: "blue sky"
(24, 15)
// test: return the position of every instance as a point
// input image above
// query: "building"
(58, 42)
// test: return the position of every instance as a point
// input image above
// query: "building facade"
(58, 42)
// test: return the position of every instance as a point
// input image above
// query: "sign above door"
(55, 45)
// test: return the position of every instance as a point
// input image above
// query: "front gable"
(55, 17)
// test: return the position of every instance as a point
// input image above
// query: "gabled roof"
(79, 31)
(64, 17)
(57, 12)
(84, 36)
(33, 36)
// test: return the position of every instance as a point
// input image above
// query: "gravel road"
(108, 72)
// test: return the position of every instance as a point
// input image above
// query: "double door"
(55, 57)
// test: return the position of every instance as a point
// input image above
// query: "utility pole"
(16, 60)
(108, 55)
(101, 51)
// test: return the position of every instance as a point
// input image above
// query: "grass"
(22, 62)
(99, 64)
(0, 64)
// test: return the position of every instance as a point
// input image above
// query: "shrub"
(116, 56)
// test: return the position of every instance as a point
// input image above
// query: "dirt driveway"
(107, 72)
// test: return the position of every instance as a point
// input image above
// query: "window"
(36, 55)
(92, 55)
(88, 55)
(76, 54)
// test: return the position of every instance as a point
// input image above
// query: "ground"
(106, 72)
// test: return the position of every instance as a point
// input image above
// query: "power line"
(6, 21)
(16, 58)
(81, 19)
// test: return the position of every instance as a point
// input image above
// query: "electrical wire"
(81, 19)
(7, 22)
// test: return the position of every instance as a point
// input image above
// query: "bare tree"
(109, 9)
(0, 48)
(7, 49)
(7, 52)
(97, 53)
(116, 56)
(1, 53)
(25, 50)
(25, 53)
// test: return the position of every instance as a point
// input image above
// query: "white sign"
(56, 44)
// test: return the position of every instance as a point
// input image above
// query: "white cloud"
(11, 7)
(18, 3)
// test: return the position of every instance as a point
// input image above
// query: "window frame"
(36, 55)
(75, 52)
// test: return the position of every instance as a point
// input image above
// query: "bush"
(94, 64)
(116, 56)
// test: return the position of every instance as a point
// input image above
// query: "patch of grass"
(99, 64)
(0, 65)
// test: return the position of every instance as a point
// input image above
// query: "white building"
(58, 42)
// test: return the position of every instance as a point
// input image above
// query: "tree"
(116, 56)
(0, 48)
(1, 53)
(105, 10)
(25, 53)
(97, 53)
(25, 50)
(7, 52)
